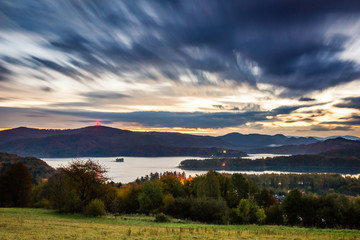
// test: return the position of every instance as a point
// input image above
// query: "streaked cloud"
(199, 64)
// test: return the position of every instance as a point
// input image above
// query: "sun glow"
(198, 131)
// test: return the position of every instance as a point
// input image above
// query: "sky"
(202, 67)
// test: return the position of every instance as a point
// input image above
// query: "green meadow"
(25, 223)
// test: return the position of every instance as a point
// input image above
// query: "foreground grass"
(16, 223)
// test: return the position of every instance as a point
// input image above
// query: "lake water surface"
(134, 167)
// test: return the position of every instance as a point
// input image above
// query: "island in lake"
(337, 161)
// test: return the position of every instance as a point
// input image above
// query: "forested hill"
(314, 148)
(101, 141)
(37, 167)
(252, 141)
(329, 162)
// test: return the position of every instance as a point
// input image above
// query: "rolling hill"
(105, 141)
(37, 167)
(314, 148)
(251, 141)
(101, 141)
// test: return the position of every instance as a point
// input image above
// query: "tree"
(243, 210)
(171, 184)
(168, 203)
(207, 186)
(127, 199)
(73, 187)
(15, 186)
(241, 185)
(265, 199)
(150, 197)
(274, 215)
(86, 178)
(260, 216)
(292, 207)
(227, 190)
(332, 210)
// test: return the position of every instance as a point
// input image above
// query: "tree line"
(295, 163)
(82, 187)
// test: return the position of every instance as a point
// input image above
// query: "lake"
(134, 167)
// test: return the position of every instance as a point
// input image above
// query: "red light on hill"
(98, 124)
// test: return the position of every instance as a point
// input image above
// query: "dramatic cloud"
(351, 102)
(206, 64)
(3, 73)
(105, 95)
(278, 42)
(339, 128)
(173, 119)
(162, 119)
(305, 99)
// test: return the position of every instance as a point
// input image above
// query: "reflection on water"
(134, 167)
(263, 155)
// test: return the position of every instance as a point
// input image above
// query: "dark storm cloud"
(351, 102)
(284, 43)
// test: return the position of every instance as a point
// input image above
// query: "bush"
(95, 208)
(203, 210)
(161, 218)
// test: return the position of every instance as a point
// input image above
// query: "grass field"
(17, 223)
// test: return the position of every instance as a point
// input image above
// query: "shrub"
(204, 210)
(161, 218)
(260, 216)
(274, 215)
(95, 208)
(243, 210)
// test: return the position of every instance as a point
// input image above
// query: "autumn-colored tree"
(127, 199)
(73, 187)
(171, 184)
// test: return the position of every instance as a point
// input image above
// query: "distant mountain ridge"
(107, 141)
(348, 137)
(250, 141)
(314, 148)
